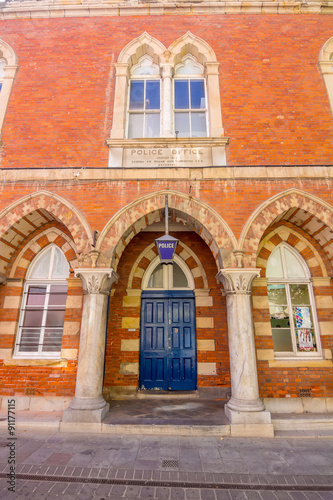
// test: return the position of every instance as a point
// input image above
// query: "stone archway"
(273, 210)
(150, 209)
(32, 212)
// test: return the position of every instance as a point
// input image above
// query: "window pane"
(179, 278)
(152, 95)
(182, 124)
(276, 295)
(58, 295)
(55, 317)
(152, 125)
(306, 341)
(282, 340)
(198, 122)
(41, 268)
(294, 267)
(274, 265)
(181, 94)
(198, 100)
(135, 126)
(33, 317)
(156, 279)
(29, 340)
(60, 265)
(36, 296)
(137, 95)
(52, 340)
(299, 294)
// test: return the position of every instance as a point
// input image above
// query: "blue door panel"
(168, 348)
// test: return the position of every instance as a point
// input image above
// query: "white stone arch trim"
(128, 57)
(59, 207)
(11, 68)
(326, 67)
(270, 209)
(52, 233)
(178, 260)
(143, 44)
(213, 229)
(167, 59)
(283, 232)
(150, 255)
(190, 44)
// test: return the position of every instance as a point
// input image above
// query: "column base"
(249, 423)
(91, 410)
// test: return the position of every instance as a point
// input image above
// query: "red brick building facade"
(89, 151)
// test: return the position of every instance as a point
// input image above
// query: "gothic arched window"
(291, 304)
(43, 306)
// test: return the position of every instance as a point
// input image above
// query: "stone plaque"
(156, 153)
(167, 157)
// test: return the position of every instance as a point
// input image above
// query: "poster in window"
(303, 317)
(305, 339)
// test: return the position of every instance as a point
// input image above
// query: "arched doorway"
(167, 332)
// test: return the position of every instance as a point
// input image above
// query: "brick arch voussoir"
(221, 242)
(251, 240)
(79, 229)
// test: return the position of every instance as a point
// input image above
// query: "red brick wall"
(273, 98)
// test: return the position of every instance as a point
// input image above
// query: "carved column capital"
(96, 280)
(167, 70)
(236, 280)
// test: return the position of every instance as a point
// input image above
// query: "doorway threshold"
(151, 394)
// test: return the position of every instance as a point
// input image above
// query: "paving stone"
(132, 491)
(103, 490)
(192, 494)
(147, 492)
(163, 493)
(325, 495)
(208, 494)
(177, 493)
(222, 495)
(282, 495)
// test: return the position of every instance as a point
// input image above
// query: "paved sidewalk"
(52, 465)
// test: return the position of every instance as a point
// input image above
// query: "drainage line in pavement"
(173, 484)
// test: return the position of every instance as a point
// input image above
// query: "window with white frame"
(291, 304)
(168, 277)
(190, 108)
(144, 110)
(43, 307)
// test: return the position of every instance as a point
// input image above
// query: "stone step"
(167, 394)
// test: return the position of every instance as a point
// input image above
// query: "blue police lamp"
(166, 245)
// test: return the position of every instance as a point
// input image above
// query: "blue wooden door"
(168, 347)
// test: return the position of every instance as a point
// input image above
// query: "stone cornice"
(167, 142)
(78, 175)
(30, 9)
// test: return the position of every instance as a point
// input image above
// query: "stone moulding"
(21, 9)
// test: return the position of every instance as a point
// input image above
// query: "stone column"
(120, 97)
(167, 101)
(213, 97)
(245, 409)
(88, 404)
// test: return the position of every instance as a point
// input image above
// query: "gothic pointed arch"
(185, 209)
(8, 70)
(326, 68)
(302, 209)
(41, 209)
